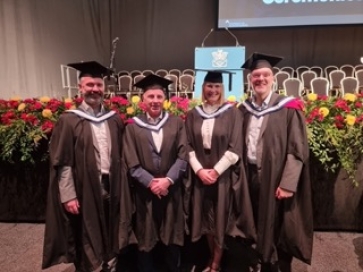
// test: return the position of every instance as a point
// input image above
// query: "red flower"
(130, 121)
(54, 105)
(323, 97)
(342, 104)
(29, 118)
(8, 117)
(358, 104)
(13, 104)
(119, 100)
(68, 105)
(47, 126)
(122, 116)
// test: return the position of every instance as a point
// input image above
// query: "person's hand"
(282, 193)
(72, 206)
(214, 174)
(206, 176)
(159, 186)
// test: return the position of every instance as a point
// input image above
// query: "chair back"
(349, 85)
(186, 83)
(125, 83)
(357, 68)
(318, 70)
(188, 72)
(280, 77)
(328, 69)
(293, 87)
(288, 69)
(134, 73)
(123, 72)
(147, 72)
(359, 77)
(111, 85)
(173, 87)
(335, 77)
(161, 72)
(300, 70)
(306, 78)
(275, 70)
(320, 86)
(348, 70)
(176, 72)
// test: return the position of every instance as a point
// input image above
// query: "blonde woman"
(220, 201)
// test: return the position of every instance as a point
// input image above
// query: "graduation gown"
(72, 145)
(157, 219)
(286, 224)
(232, 210)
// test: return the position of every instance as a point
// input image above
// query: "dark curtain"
(38, 36)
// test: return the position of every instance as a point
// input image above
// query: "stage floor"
(21, 250)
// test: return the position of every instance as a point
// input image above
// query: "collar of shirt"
(264, 103)
(154, 120)
(90, 111)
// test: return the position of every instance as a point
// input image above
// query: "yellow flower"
(73, 107)
(166, 104)
(21, 107)
(47, 113)
(135, 99)
(68, 100)
(350, 97)
(15, 98)
(324, 111)
(350, 120)
(231, 98)
(44, 99)
(37, 138)
(130, 110)
(312, 96)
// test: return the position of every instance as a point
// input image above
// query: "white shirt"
(254, 129)
(156, 135)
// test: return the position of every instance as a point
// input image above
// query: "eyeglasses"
(258, 75)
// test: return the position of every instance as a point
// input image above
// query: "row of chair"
(320, 86)
(348, 69)
(159, 72)
(124, 84)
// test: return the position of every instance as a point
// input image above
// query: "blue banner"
(220, 58)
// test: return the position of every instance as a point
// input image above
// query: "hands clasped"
(208, 176)
(159, 186)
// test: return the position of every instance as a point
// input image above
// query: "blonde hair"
(221, 98)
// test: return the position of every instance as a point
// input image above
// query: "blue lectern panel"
(220, 58)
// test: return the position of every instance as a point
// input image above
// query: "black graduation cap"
(216, 76)
(152, 81)
(261, 60)
(90, 68)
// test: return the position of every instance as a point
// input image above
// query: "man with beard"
(155, 154)
(276, 156)
(83, 209)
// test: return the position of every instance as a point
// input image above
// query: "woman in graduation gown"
(220, 202)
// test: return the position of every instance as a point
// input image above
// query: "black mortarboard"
(151, 81)
(90, 68)
(260, 60)
(216, 76)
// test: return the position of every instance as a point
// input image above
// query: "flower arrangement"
(334, 126)
(25, 123)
